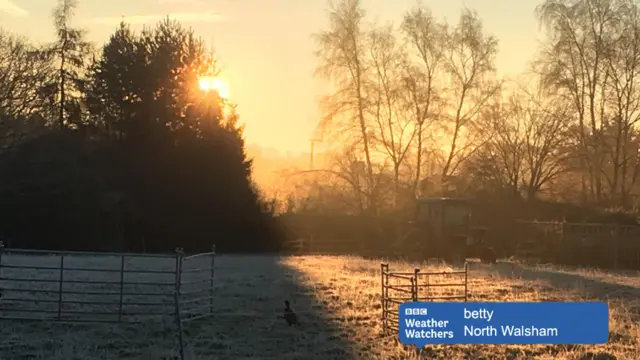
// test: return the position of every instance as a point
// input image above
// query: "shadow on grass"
(587, 286)
(248, 323)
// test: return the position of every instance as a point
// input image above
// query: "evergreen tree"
(69, 53)
(180, 151)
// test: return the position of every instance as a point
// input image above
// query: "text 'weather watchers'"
(503, 323)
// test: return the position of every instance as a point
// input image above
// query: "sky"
(265, 47)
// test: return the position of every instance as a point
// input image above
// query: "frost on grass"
(338, 303)
(350, 289)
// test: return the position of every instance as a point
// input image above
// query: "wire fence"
(94, 287)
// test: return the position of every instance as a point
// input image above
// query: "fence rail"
(417, 286)
(104, 287)
(45, 285)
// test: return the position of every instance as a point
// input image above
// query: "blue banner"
(426, 323)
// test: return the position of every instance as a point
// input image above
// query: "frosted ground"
(338, 301)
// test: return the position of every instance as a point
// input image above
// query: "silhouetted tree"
(69, 52)
(183, 161)
(160, 163)
(109, 94)
(23, 70)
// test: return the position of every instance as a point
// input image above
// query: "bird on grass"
(289, 315)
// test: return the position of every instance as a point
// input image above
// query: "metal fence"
(586, 244)
(102, 287)
(401, 287)
(194, 292)
(195, 288)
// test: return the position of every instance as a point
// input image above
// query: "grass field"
(338, 301)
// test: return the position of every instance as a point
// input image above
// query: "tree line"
(418, 108)
(117, 148)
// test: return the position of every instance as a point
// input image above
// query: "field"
(338, 302)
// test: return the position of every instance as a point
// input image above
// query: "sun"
(216, 84)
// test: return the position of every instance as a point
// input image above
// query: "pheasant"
(289, 315)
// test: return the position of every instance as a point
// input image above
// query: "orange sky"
(266, 49)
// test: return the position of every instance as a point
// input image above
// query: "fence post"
(563, 241)
(382, 296)
(60, 286)
(466, 278)
(616, 246)
(176, 295)
(428, 287)
(213, 262)
(416, 289)
(121, 287)
(382, 289)
(1, 253)
(413, 291)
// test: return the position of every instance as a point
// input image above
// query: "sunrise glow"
(214, 84)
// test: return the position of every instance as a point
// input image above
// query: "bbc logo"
(415, 311)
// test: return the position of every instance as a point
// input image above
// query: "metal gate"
(401, 287)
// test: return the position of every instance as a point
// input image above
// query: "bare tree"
(526, 144)
(574, 63)
(469, 62)
(23, 68)
(592, 59)
(506, 144)
(426, 41)
(394, 130)
(545, 124)
(623, 98)
(341, 51)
